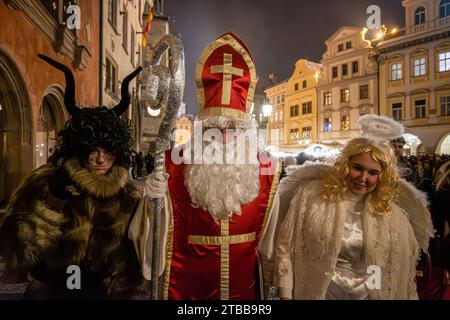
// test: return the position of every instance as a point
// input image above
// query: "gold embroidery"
(222, 240)
(225, 262)
(169, 250)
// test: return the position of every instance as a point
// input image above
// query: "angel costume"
(329, 249)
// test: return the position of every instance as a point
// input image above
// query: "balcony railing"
(422, 28)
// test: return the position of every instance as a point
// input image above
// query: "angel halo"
(379, 128)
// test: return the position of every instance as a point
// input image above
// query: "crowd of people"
(352, 230)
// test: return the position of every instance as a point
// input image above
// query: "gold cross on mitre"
(228, 71)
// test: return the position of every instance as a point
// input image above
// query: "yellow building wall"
(297, 94)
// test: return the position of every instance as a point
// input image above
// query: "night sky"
(277, 33)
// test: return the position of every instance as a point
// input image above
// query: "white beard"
(221, 189)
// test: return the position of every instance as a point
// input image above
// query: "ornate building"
(415, 74)
(300, 108)
(274, 125)
(120, 53)
(347, 87)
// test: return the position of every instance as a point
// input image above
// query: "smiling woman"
(353, 231)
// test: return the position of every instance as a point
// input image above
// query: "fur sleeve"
(415, 204)
(29, 226)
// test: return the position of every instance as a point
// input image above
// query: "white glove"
(156, 184)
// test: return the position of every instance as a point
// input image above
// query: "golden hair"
(335, 185)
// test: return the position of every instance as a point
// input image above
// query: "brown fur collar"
(101, 186)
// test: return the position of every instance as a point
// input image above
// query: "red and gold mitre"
(226, 78)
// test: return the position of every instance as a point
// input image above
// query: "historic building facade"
(274, 124)
(415, 74)
(347, 87)
(300, 108)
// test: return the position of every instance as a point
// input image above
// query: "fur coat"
(391, 242)
(62, 216)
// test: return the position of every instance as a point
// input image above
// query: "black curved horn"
(69, 94)
(123, 104)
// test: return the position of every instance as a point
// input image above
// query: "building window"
(276, 116)
(296, 87)
(327, 125)
(306, 132)
(419, 16)
(348, 45)
(396, 71)
(327, 99)
(335, 72)
(278, 100)
(307, 107)
(132, 48)
(444, 61)
(281, 116)
(282, 98)
(112, 13)
(294, 111)
(364, 92)
(305, 84)
(111, 77)
(420, 108)
(294, 134)
(340, 47)
(345, 95)
(345, 123)
(344, 69)
(355, 67)
(444, 9)
(419, 67)
(445, 106)
(125, 31)
(397, 111)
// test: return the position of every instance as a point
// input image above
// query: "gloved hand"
(156, 184)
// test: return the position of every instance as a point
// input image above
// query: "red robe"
(206, 260)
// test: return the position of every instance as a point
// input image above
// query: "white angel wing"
(415, 204)
(298, 176)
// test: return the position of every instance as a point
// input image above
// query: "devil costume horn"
(124, 103)
(69, 95)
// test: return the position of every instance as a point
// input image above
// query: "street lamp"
(267, 109)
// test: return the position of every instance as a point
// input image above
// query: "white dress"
(349, 279)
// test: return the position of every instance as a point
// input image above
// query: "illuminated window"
(306, 132)
(327, 125)
(294, 134)
(444, 61)
(420, 67)
(396, 71)
(345, 123)
(327, 98)
(345, 95)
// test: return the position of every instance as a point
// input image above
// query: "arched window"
(419, 16)
(444, 8)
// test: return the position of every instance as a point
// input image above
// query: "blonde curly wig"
(335, 185)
